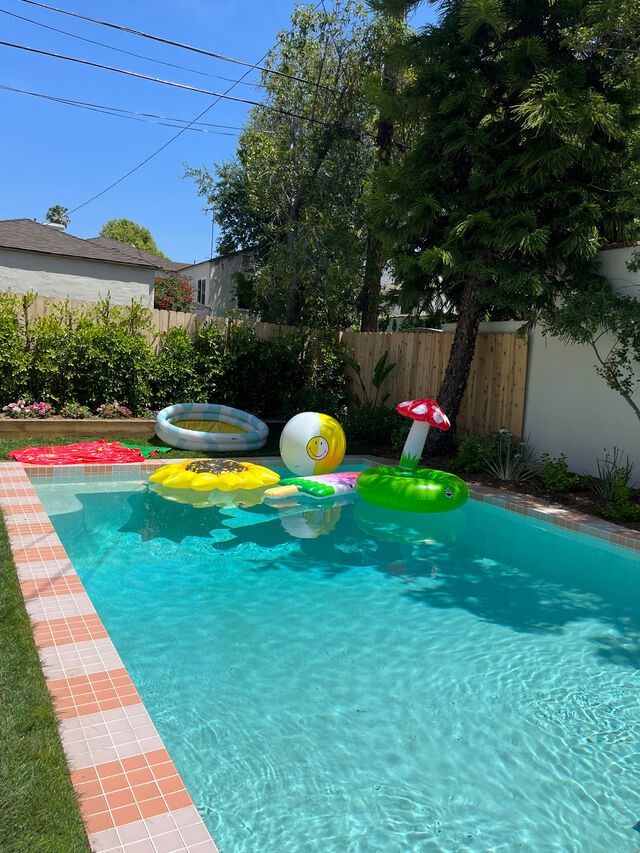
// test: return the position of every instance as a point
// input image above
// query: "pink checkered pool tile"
(131, 795)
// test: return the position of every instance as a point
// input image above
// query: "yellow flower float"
(200, 482)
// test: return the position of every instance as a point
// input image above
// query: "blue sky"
(58, 154)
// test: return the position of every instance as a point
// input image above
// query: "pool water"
(350, 680)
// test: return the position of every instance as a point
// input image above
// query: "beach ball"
(312, 443)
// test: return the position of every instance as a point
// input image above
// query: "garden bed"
(92, 428)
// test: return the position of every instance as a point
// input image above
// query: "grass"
(9, 444)
(38, 808)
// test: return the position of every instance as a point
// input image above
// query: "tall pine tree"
(516, 177)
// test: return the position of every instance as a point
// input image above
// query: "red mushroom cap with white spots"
(425, 410)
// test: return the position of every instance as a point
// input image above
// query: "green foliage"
(380, 372)
(113, 411)
(473, 451)
(175, 372)
(621, 507)
(129, 232)
(512, 459)
(58, 215)
(15, 358)
(82, 358)
(611, 473)
(502, 454)
(370, 423)
(555, 475)
(611, 486)
(74, 411)
(173, 292)
(294, 190)
(526, 159)
(86, 355)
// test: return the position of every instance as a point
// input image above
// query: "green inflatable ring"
(412, 490)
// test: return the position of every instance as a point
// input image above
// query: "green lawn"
(9, 444)
(38, 808)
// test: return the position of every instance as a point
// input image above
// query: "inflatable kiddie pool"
(210, 427)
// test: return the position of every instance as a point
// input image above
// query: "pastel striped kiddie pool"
(210, 427)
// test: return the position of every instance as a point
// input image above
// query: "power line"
(164, 82)
(171, 42)
(119, 112)
(161, 148)
(128, 52)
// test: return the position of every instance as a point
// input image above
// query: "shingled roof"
(28, 236)
(134, 255)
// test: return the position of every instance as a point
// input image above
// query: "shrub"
(621, 507)
(150, 414)
(473, 452)
(374, 424)
(511, 458)
(113, 410)
(555, 475)
(14, 353)
(75, 411)
(175, 377)
(612, 487)
(173, 293)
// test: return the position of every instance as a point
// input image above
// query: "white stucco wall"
(570, 409)
(613, 264)
(221, 288)
(76, 278)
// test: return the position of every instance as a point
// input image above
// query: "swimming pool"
(327, 680)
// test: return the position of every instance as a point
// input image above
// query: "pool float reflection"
(388, 525)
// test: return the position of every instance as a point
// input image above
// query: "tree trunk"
(370, 296)
(369, 301)
(457, 372)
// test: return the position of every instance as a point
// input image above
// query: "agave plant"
(512, 459)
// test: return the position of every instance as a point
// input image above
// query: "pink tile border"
(132, 797)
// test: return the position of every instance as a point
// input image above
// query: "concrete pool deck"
(132, 798)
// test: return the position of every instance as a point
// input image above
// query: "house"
(214, 284)
(46, 260)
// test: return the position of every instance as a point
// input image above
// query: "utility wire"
(165, 82)
(174, 43)
(162, 147)
(129, 52)
(118, 112)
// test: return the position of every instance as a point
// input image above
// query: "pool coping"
(131, 796)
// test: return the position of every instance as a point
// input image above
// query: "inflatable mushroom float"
(424, 414)
(407, 487)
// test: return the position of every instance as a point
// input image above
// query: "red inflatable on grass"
(98, 452)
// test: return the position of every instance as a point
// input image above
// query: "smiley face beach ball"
(312, 443)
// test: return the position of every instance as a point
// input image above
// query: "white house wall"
(221, 287)
(222, 290)
(570, 409)
(76, 278)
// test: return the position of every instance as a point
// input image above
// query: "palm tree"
(58, 215)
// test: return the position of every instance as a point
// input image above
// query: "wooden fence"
(495, 393)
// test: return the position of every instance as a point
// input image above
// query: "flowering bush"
(19, 409)
(22, 409)
(173, 293)
(113, 410)
(75, 411)
(41, 410)
(150, 414)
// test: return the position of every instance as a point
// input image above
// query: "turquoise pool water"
(465, 684)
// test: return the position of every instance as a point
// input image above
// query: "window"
(201, 296)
